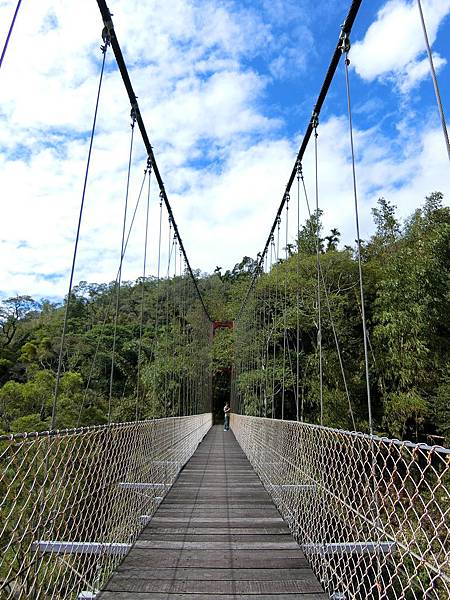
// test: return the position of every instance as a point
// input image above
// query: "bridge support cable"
(279, 347)
(286, 256)
(317, 232)
(104, 48)
(345, 50)
(434, 77)
(143, 285)
(297, 304)
(119, 277)
(276, 317)
(266, 328)
(8, 36)
(345, 30)
(328, 303)
(107, 20)
(110, 305)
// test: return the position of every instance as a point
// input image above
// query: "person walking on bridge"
(226, 420)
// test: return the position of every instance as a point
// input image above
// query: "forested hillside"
(407, 289)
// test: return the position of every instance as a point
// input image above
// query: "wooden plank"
(187, 536)
(176, 529)
(225, 545)
(207, 559)
(122, 583)
(165, 596)
(217, 522)
(193, 574)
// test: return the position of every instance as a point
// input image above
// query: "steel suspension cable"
(258, 347)
(108, 309)
(104, 48)
(107, 20)
(345, 29)
(319, 311)
(283, 392)
(277, 258)
(297, 345)
(266, 328)
(435, 81)
(183, 334)
(166, 333)
(158, 272)
(272, 256)
(330, 314)
(11, 27)
(345, 49)
(144, 274)
(119, 278)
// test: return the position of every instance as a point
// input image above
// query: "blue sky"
(226, 90)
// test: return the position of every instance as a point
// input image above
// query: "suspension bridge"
(176, 508)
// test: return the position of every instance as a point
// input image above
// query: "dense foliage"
(407, 290)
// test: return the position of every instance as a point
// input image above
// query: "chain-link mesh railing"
(72, 502)
(371, 514)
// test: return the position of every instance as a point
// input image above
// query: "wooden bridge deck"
(217, 533)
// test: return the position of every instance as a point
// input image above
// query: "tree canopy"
(407, 290)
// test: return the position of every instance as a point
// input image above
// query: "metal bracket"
(107, 32)
(56, 547)
(133, 113)
(344, 43)
(130, 485)
(299, 487)
(351, 548)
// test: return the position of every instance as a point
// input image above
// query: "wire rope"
(272, 257)
(319, 312)
(108, 309)
(266, 328)
(345, 29)
(297, 344)
(283, 390)
(109, 27)
(277, 257)
(330, 314)
(104, 48)
(144, 274)
(11, 27)
(119, 278)
(345, 49)
(435, 81)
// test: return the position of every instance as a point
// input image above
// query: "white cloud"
(416, 71)
(224, 161)
(394, 44)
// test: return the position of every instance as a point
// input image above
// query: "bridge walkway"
(216, 534)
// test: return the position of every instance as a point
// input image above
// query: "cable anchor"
(299, 170)
(149, 164)
(133, 113)
(315, 122)
(107, 31)
(345, 45)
